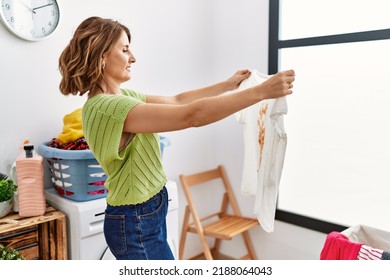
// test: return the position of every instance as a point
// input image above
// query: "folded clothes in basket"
(72, 135)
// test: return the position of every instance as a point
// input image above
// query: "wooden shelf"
(40, 237)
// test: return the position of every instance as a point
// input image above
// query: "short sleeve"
(134, 94)
(103, 119)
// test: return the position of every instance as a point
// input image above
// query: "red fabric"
(79, 144)
(338, 247)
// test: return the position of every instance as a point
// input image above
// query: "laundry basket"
(370, 236)
(164, 142)
(75, 174)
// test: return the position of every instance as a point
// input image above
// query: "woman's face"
(118, 61)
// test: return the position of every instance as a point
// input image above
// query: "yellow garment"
(72, 129)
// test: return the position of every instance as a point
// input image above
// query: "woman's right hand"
(278, 85)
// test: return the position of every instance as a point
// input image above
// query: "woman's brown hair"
(81, 62)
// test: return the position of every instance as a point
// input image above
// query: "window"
(336, 170)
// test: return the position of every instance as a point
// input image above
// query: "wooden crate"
(41, 237)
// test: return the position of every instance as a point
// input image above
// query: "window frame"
(274, 45)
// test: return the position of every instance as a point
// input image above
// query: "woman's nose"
(132, 58)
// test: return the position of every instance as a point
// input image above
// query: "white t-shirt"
(265, 143)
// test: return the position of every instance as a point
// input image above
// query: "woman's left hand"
(234, 81)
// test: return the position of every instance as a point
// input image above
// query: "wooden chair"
(219, 225)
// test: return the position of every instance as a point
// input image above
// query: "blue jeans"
(138, 232)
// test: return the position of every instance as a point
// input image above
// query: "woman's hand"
(278, 85)
(234, 81)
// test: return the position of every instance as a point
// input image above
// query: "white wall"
(179, 45)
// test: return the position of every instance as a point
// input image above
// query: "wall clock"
(31, 20)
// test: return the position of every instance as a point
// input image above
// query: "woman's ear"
(103, 61)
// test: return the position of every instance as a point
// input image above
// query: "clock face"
(31, 20)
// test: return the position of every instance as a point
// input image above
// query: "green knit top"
(135, 172)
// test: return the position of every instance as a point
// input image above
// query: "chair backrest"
(219, 173)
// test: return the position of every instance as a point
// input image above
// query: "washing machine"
(85, 224)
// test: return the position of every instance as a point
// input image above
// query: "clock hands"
(36, 8)
(32, 10)
(24, 4)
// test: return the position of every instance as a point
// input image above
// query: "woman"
(121, 129)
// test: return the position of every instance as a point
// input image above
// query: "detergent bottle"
(30, 181)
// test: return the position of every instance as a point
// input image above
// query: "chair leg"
(249, 246)
(202, 238)
(206, 248)
(217, 245)
(184, 232)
